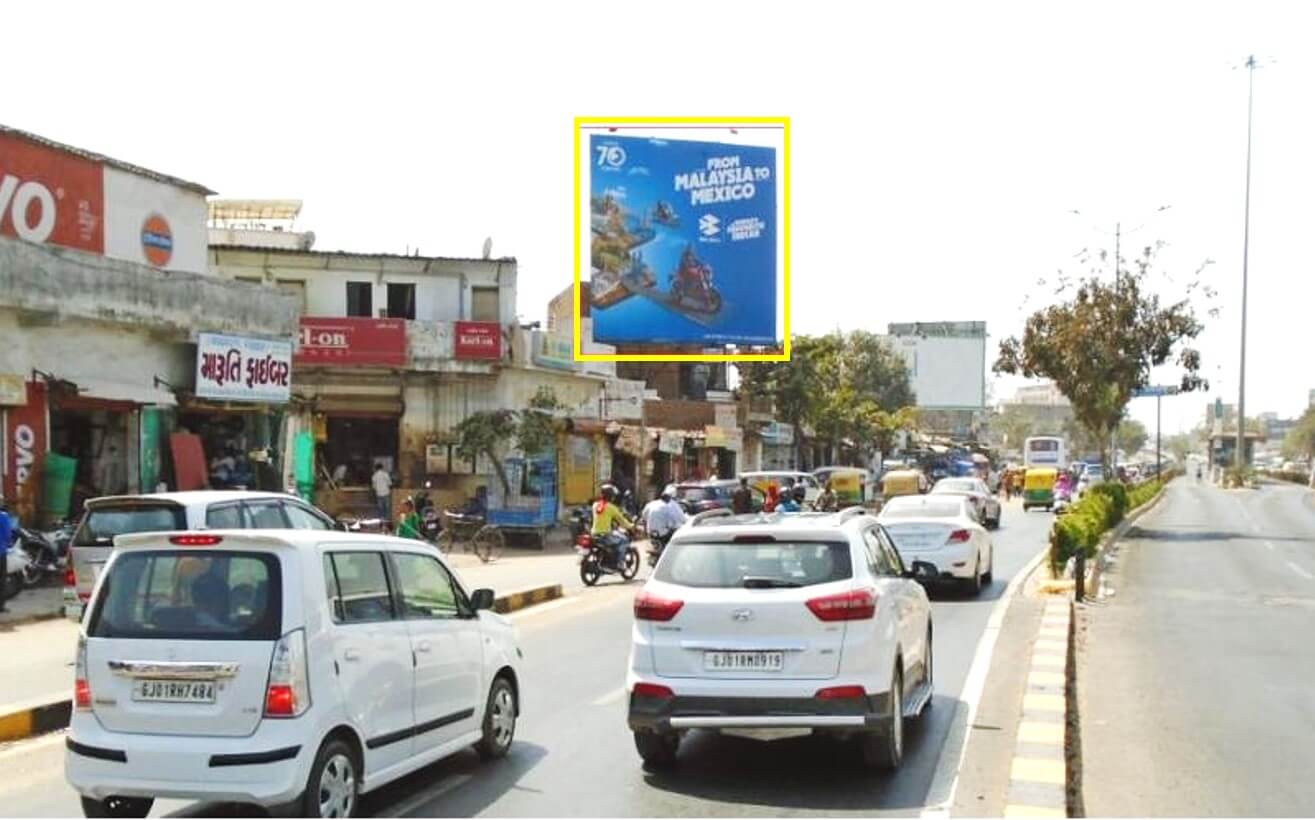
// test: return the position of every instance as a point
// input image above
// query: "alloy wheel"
(337, 787)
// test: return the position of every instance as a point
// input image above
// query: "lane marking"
(1303, 573)
(611, 697)
(945, 779)
(405, 808)
(538, 609)
(1037, 771)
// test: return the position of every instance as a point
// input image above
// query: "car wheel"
(884, 750)
(973, 585)
(989, 576)
(115, 806)
(334, 786)
(658, 749)
(499, 721)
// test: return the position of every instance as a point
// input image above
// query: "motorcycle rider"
(826, 502)
(792, 500)
(607, 516)
(663, 515)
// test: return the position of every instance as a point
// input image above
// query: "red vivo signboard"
(337, 341)
(25, 445)
(48, 195)
(477, 340)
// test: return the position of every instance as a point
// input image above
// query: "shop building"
(104, 293)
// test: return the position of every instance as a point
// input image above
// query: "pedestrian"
(826, 500)
(742, 498)
(409, 525)
(6, 535)
(382, 483)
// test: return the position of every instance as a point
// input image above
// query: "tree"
(487, 433)
(1100, 345)
(1299, 443)
(1180, 446)
(1015, 424)
(1131, 436)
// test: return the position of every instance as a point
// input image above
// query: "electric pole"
(1246, 242)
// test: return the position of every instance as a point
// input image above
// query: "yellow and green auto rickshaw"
(901, 482)
(1039, 487)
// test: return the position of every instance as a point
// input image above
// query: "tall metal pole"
(1246, 242)
(1157, 435)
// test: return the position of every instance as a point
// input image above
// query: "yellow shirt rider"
(608, 516)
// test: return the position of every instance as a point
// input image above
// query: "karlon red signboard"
(477, 340)
(48, 195)
(338, 341)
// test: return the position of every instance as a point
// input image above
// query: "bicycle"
(473, 534)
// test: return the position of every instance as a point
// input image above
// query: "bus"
(1045, 451)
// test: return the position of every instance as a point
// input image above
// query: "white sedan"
(942, 529)
(984, 501)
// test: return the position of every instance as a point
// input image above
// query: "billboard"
(240, 368)
(946, 361)
(682, 242)
(357, 341)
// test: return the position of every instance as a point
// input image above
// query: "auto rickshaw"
(1039, 487)
(902, 482)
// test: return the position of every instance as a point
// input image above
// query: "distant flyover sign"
(1156, 390)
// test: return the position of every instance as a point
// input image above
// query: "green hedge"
(1100, 510)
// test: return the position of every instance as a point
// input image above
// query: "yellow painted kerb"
(16, 726)
(784, 355)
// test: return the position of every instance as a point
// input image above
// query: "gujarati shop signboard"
(241, 368)
(682, 241)
(350, 341)
(477, 340)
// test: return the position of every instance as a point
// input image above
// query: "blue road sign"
(1156, 390)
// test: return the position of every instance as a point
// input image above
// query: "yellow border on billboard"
(731, 122)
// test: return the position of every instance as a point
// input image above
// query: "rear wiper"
(760, 582)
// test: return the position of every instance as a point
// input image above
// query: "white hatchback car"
(780, 624)
(290, 669)
(942, 529)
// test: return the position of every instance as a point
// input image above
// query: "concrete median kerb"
(523, 598)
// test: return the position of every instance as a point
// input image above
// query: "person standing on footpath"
(382, 483)
(6, 535)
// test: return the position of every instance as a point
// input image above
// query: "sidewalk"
(37, 659)
(34, 604)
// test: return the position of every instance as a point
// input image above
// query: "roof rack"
(702, 518)
(849, 512)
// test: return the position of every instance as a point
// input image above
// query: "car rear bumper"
(268, 768)
(952, 563)
(692, 712)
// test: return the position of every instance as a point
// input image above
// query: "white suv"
(780, 624)
(293, 670)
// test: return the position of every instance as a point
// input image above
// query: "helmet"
(798, 492)
(609, 492)
(668, 493)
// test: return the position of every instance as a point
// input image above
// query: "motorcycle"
(431, 518)
(658, 543)
(581, 521)
(16, 571)
(43, 560)
(596, 560)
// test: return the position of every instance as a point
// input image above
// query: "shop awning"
(96, 392)
(588, 427)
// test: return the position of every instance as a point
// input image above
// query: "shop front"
(26, 432)
(778, 450)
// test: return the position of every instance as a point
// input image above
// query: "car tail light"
(652, 690)
(960, 537)
(582, 540)
(855, 605)
(288, 691)
(841, 692)
(195, 540)
(70, 577)
(652, 608)
(81, 689)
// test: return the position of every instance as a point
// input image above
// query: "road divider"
(520, 599)
(1039, 771)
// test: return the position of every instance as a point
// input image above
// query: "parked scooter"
(16, 570)
(431, 517)
(43, 559)
(596, 560)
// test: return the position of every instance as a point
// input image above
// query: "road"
(1195, 678)
(574, 756)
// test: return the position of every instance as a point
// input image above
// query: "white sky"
(936, 148)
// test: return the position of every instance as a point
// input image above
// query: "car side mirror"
(481, 599)
(923, 572)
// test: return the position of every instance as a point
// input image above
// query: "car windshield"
(919, 508)
(956, 486)
(102, 524)
(697, 493)
(190, 595)
(776, 564)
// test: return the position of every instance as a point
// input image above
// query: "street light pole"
(1246, 242)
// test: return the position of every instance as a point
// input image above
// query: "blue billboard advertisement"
(682, 242)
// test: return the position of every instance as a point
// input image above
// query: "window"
(266, 515)
(724, 565)
(401, 301)
(190, 595)
(427, 588)
(362, 588)
(303, 519)
(878, 559)
(484, 305)
(360, 299)
(102, 523)
(225, 517)
(891, 552)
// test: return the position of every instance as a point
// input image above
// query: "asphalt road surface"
(574, 756)
(1196, 677)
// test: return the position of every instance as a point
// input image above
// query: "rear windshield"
(768, 565)
(190, 595)
(922, 510)
(697, 493)
(956, 487)
(100, 525)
